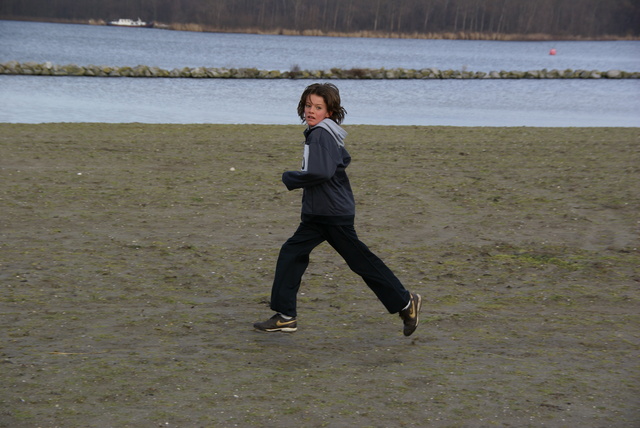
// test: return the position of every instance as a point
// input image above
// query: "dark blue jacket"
(327, 196)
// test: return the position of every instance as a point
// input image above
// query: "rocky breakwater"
(48, 69)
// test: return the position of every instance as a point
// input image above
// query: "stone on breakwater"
(74, 70)
(48, 69)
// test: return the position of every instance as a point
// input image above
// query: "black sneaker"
(410, 315)
(277, 323)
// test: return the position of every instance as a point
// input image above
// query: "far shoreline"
(498, 37)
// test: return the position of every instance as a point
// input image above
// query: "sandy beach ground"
(134, 260)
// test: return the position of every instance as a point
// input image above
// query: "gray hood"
(334, 129)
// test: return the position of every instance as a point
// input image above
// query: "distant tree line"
(559, 18)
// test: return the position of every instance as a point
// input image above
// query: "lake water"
(37, 99)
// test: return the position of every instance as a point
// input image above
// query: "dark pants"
(294, 259)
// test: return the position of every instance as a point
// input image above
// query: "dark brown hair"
(331, 95)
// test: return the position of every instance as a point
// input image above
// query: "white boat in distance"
(124, 22)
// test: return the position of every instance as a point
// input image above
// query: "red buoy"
(552, 51)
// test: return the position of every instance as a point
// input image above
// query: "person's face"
(315, 110)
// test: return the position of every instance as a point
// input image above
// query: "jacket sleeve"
(320, 164)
